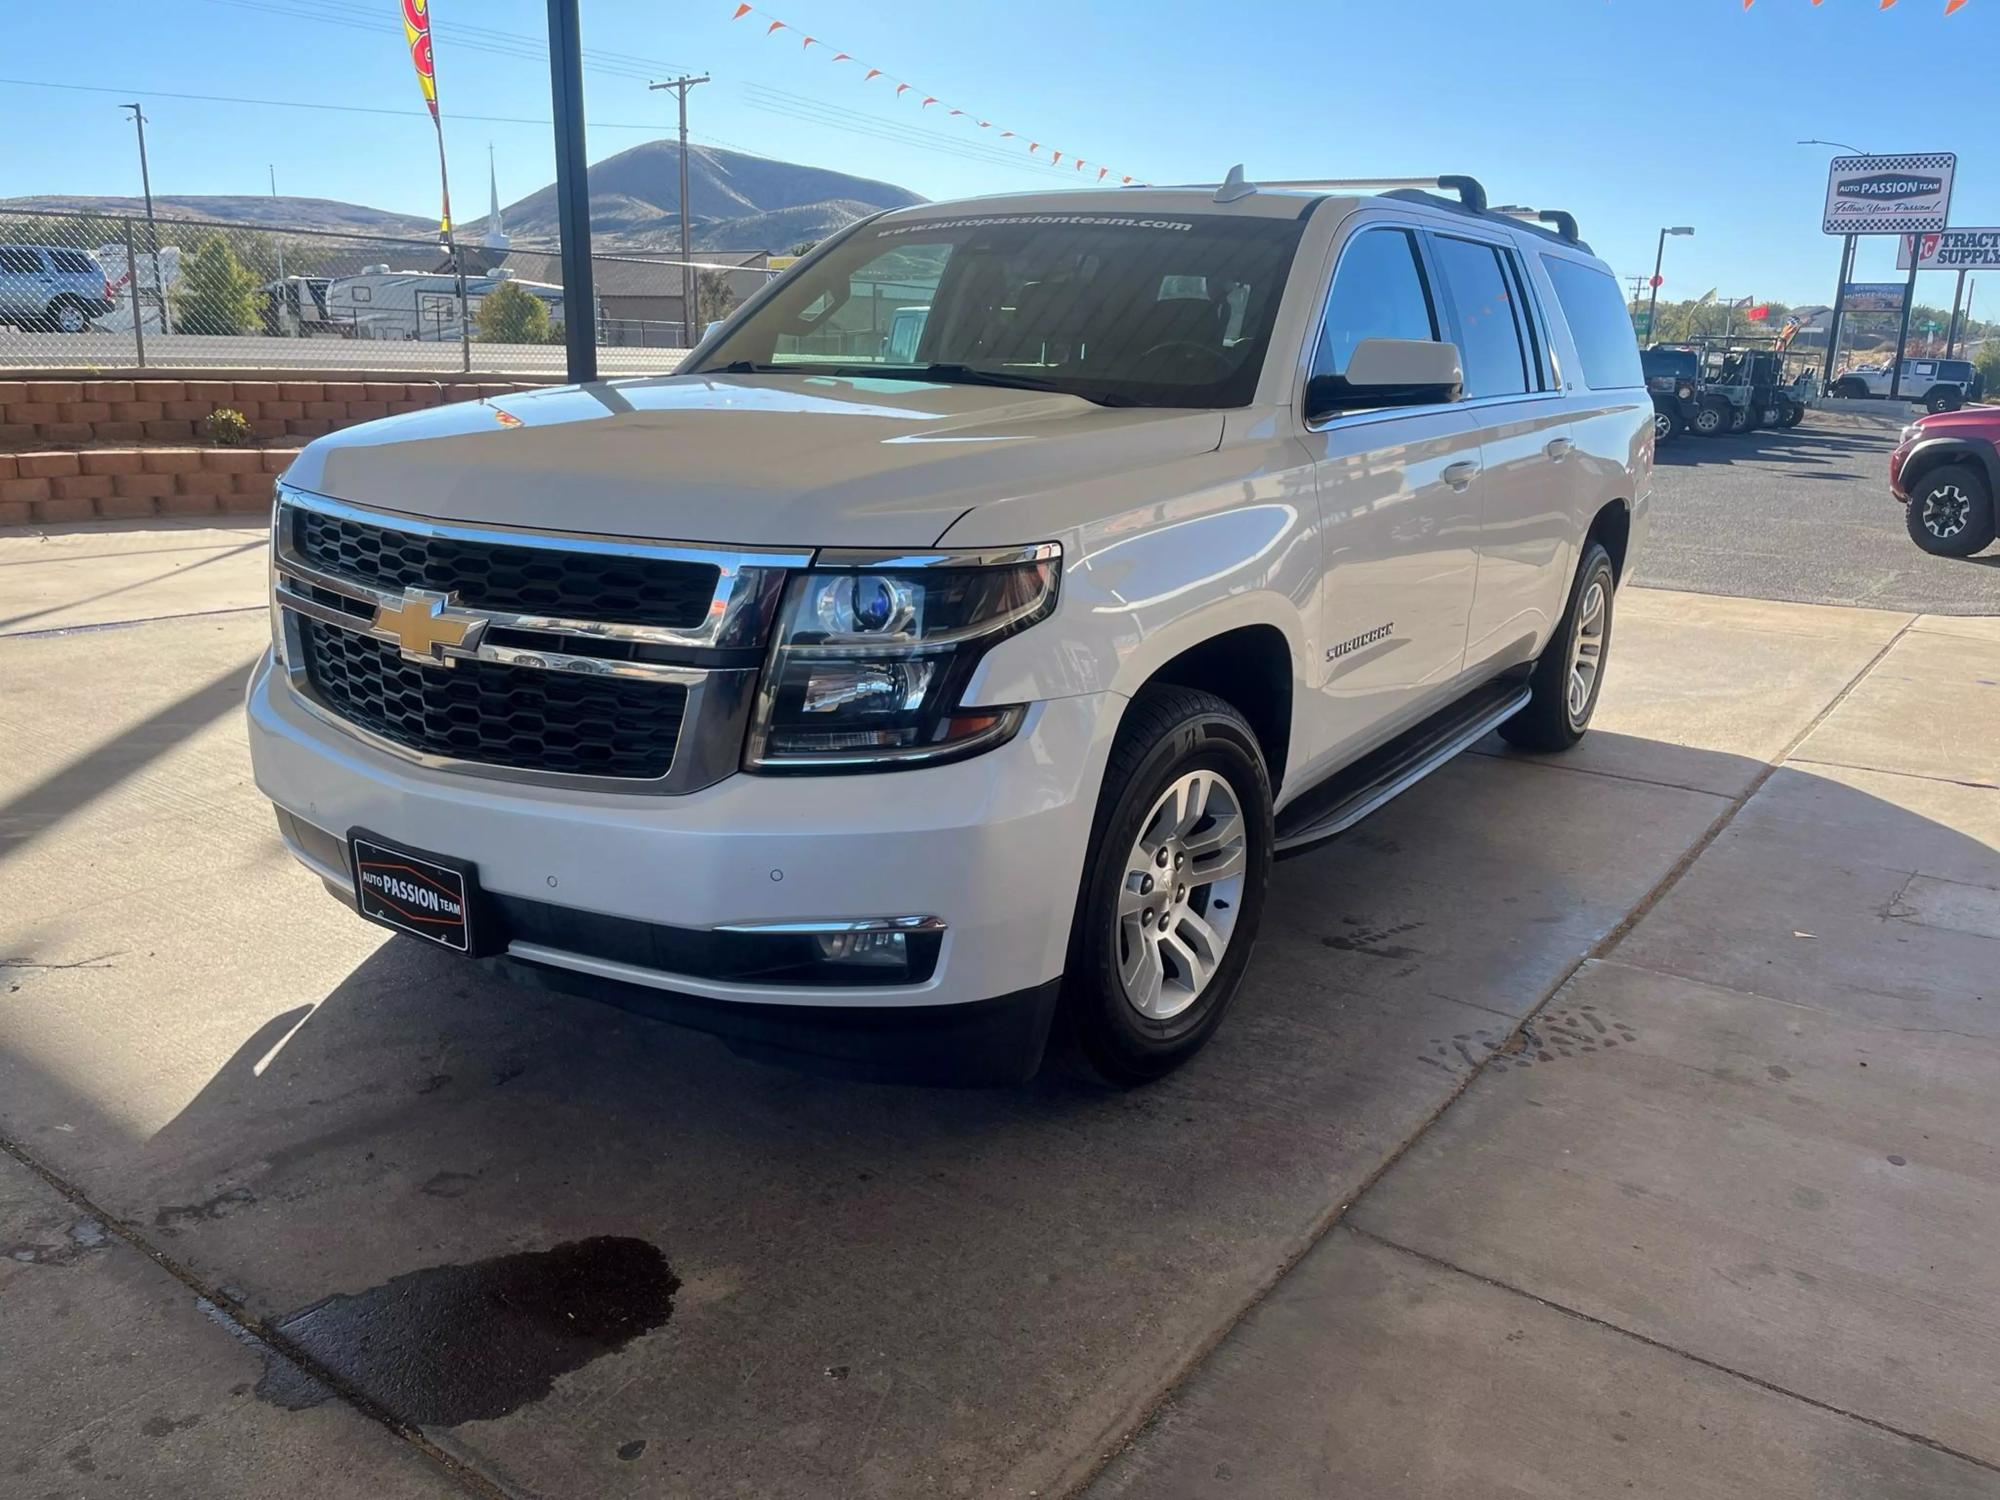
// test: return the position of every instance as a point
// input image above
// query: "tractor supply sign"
(1952, 250)
(1889, 194)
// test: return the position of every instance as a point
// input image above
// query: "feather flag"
(417, 33)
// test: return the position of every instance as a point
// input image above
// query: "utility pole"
(1659, 257)
(680, 86)
(152, 224)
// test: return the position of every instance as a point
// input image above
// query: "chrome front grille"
(593, 662)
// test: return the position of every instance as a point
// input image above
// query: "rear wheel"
(1173, 889)
(1795, 412)
(1951, 511)
(68, 316)
(1711, 419)
(1943, 398)
(1739, 419)
(1570, 671)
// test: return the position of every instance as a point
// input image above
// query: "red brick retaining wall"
(130, 483)
(69, 413)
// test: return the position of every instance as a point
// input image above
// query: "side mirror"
(1389, 372)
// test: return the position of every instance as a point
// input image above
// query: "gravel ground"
(1803, 515)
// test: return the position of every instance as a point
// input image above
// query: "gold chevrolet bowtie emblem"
(424, 624)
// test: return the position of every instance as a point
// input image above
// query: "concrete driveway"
(1612, 1124)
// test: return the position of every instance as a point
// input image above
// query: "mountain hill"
(736, 202)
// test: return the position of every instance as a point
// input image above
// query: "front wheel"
(1739, 419)
(1795, 412)
(1664, 426)
(1712, 420)
(1951, 512)
(1173, 889)
(1570, 671)
(1849, 389)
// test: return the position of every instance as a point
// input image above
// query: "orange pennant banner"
(927, 100)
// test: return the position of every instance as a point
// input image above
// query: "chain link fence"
(110, 292)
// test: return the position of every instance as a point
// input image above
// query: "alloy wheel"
(1947, 511)
(1180, 894)
(70, 318)
(1586, 649)
(1663, 427)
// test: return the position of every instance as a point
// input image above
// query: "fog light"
(879, 950)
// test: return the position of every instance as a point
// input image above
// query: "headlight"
(1686, 392)
(869, 663)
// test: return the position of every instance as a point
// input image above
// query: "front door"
(1399, 493)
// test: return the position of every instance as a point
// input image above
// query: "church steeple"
(496, 231)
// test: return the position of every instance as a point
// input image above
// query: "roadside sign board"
(1908, 194)
(1873, 296)
(1642, 322)
(1952, 250)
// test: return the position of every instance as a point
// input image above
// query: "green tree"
(510, 315)
(217, 293)
(714, 297)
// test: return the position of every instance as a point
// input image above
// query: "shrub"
(509, 315)
(217, 292)
(226, 427)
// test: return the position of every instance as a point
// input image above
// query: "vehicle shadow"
(891, 1290)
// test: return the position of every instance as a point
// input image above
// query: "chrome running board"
(1355, 791)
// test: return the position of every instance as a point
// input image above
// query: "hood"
(1967, 421)
(753, 460)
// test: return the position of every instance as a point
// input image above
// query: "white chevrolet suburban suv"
(939, 659)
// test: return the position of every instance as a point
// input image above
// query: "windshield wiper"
(957, 374)
(748, 367)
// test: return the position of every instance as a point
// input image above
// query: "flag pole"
(451, 244)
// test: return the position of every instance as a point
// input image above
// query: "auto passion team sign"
(1952, 250)
(1889, 194)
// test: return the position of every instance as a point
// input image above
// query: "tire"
(1795, 413)
(1942, 398)
(1739, 419)
(1951, 511)
(1772, 416)
(67, 315)
(1711, 419)
(1665, 428)
(1559, 711)
(1127, 1014)
(1849, 389)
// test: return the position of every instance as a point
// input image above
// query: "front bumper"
(993, 845)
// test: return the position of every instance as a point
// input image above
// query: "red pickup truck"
(1946, 471)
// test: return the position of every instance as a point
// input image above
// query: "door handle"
(1461, 474)
(1559, 448)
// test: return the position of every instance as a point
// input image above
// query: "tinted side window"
(72, 260)
(1489, 326)
(19, 260)
(1594, 308)
(1378, 293)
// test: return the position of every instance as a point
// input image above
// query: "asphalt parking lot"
(1613, 1124)
(1804, 514)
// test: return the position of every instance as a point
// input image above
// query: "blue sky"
(1630, 113)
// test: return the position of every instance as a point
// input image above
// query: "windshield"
(1668, 362)
(1123, 310)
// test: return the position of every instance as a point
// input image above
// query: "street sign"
(1873, 296)
(1642, 322)
(1889, 194)
(1952, 250)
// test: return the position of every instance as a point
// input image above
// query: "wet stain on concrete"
(1555, 1034)
(470, 1343)
(221, 1206)
(631, 1450)
(1373, 941)
(82, 1237)
(447, 1185)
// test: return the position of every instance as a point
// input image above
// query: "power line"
(345, 109)
(815, 112)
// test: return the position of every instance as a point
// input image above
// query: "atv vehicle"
(1673, 378)
(1727, 401)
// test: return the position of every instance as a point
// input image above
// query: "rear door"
(20, 283)
(1399, 494)
(1527, 499)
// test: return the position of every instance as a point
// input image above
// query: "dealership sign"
(1872, 296)
(1952, 250)
(1889, 194)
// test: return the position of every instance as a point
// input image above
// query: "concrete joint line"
(1665, 1348)
(249, 1329)
(1115, 1442)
